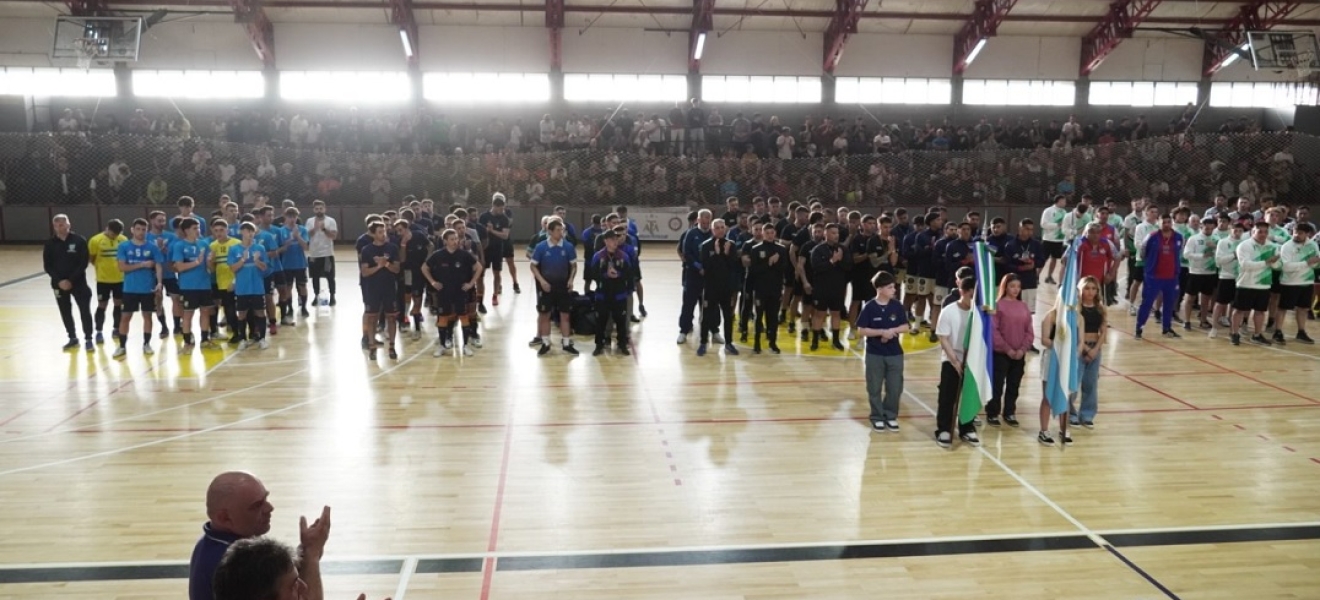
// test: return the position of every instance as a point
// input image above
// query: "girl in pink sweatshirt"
(1013, 338)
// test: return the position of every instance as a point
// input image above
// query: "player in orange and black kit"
(452, 273)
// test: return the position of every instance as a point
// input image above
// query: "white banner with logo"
(658, 224)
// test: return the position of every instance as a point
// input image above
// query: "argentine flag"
(1065, 370)
(978, 358)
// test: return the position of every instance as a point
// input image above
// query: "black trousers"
(81, 294)
(1007, 381)
(746, 308)
(615, 310)
(767, 316)
(227, 303)
(322, 267)
(717, 305)
(950, 389)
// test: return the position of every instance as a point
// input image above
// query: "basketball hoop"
(1302, 63)
(87, 49)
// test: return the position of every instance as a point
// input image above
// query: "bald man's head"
(236, 503)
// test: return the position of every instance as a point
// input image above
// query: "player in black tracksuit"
(718, 258)
(830, 264)
(613, 269)
(767, 266)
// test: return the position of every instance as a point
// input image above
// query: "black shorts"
(322, 266)
(557, 299)
(1275, 286)
(106, 291)
(862, 290)
(1249, 299)
(171, 287)
(276, 279)
(376, 301)
(1184, 278)
(799, 290)
(412, 282)
(1225, 291)
(828, 301)
(195, 299)
(269, 284)
(1053, 249)
(1296, 296)
(139, 302)
(1202, 285)
(249, 303)
(292, 276)
(1136, 272)
(451, 304)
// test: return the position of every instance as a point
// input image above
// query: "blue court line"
(4, 284)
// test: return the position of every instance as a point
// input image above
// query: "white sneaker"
(1214, 332)
(120, 352)
(892, 425)
(416, 334)
(439, 351)
(264, 344)
(717, 339)
(146, 349)
(944, 440)
(449, 344)
(971, 438)
(467, 350)
(475, 342)
(1132, 310)
(245, 344)
(852, 333)
(287, 321)
(682, 338)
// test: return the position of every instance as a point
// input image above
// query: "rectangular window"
(200, 85)
(1141, 93)
(345, 86)
(892, 90)
(1262, 94)
(46, 82)
(1019, 92)
(604, 87)
(486, 87)
(774, 90)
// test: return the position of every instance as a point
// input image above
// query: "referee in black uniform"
(65, 260)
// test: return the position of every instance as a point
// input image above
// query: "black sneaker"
(992, 421)
(1074, 421)
(642, 309)
(1088, 424)
(806, 335)
(742, 336)
(1259, 339)
(332, 301)
(971, 438)
(1034, 350)
(878, 427)
(1045, 439)
(545, 349)
(1169, 333)
(72, 345)
(1066, 437)
(634, 319)
(730, 349)
(1012, 421)
(371, 354)
(1278, 337)
(1302, 338)
(1187, 325)
(756, 349)
(624, 351)
(481, 307)
(1235, 339)
(1206, 325)
(600, 349)
(394, 354)
(792, 328)
(536, 341)
(517, 290)
(569, 349)
(774, 349)
(1138, 333)
(838, 346)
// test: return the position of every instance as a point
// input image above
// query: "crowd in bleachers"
(691, 156)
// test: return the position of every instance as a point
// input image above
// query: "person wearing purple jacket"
(1013, 338)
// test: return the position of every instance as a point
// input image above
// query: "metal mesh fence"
(81, 168)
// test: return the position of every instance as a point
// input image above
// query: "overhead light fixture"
(701, 46)
(976, 50)
(407, 44)
(1236, 54)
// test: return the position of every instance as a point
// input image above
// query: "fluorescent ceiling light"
(975, 51)
(701, 45)
(1234, 56)
(407, 44)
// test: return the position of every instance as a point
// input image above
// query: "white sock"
(545, 339)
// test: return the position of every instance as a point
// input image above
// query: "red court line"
(488, 566)
(1233, 371)
(1153, 389)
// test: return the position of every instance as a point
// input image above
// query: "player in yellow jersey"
(103, 252)
(224, 277)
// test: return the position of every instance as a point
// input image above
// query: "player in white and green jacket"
(1202, 274)
(1257, 260)
(1140, 234)
(1052, 236)
(1299, 256)
(1226, 262)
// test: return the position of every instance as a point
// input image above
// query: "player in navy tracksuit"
(613, 269)
(1163, 256)
(693, 280)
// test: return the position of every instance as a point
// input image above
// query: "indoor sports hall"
(470, 464)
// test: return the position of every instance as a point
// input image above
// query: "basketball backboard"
(99, 41)
(1296, 51)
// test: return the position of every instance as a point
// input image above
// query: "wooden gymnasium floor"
(660, 476)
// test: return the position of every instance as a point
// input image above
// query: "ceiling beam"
(980, 26)
(554, 21)
(844, 23)
(401, 15)
(703, 22)
(88, 8)
(1124, 16)
(1257, 15)
(261, 33)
